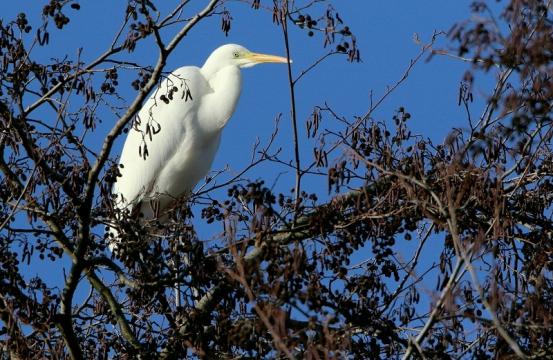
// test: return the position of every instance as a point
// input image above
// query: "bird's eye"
(236, 55)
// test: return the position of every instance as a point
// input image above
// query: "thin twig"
(291, 82)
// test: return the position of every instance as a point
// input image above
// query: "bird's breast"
(189, 164)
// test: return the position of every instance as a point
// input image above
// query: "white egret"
(173, 141)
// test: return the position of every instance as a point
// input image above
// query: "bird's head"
(232, 54)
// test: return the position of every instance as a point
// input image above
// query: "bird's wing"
(157, 132)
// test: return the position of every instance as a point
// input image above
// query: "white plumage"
(173, 142)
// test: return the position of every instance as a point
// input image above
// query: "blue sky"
(384, 31)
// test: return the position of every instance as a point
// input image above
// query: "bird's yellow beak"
(266, 58)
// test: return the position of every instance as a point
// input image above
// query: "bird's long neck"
(218, 106)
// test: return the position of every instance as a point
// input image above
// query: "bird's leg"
(176, 269)
(177, 295)
(195, 292)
